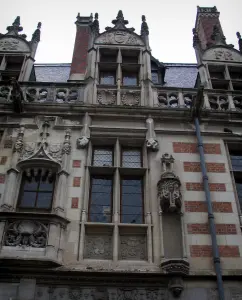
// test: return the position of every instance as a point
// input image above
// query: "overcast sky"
(170, 23)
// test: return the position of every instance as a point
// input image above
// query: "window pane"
(100, 200)
(30, 185)
(131, 201)
(131, 158)
(236, 162)
(44, 200)
(28, 199)
(239, 192)
(102, 157)
(46, 185)
(130, 79)
(107, 77)
(154, 76)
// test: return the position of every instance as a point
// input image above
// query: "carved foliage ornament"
(119, 37)
(152, 144)
(82, 142)
(133, 247)
(106, 97)
(98, 247)
(26, 233)
(130, 98)
(13, 44)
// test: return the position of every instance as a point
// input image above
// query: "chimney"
(79, 59)
(207, 19)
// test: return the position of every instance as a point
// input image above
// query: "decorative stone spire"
(120, 23)
(217, 36)
(239, 41)
(16, 28)
(95, 25)
(196, 40)
(144, 26)
(36, 34)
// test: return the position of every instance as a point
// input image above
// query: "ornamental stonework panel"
(99, 293)
(132, 247)
(98, 247)
(106, 97)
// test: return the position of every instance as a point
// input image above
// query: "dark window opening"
(130, 78)
(131, 158)
(132, 200)
(37, 190)
(100, 202)
(155, 77)
(102, 157)
(108, 77)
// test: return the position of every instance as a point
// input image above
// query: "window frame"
(123, 149)
(130, 177)
(130, 72)
(102, 148)
(21, 193)
(90, 194)
(108, 71)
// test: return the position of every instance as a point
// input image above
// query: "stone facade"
(101, 185)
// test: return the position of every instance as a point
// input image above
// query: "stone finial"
(36, 34)
(16, 28)
(217, 36)
(120, 23)
(196, 40)
(144, 26)
(95, 25)
(239, 41)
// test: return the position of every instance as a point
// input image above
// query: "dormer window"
(11, 67)
(108, 77)
(218, 77)
(155, 78)
(37, 189)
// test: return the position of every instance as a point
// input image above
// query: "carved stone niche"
(169, 186)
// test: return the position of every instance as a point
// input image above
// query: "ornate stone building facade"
(121, 176)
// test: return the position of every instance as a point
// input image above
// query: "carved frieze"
(132, 247)
(98, 247)
(101, 293)
(130, 98)
(106, 97)
(222, 54)
(26, 234)
(119, 37)
(13, 44)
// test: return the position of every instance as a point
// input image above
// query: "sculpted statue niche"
(169, 186)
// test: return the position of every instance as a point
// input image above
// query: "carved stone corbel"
(169, 186)
(176, 286)
(82, 142)
(151, 141)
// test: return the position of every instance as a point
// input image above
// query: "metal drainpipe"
(216, 258)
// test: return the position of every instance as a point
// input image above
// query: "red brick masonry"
(206, 251)
(76, 163)
(179, 147)
(201, 206)
(198, 186)
(76, 181)
(211, 167)
(203, 228)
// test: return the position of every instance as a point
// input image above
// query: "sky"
(170, 23)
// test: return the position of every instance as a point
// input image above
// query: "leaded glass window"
(154, 75)
(107, 77)
(130, 78)
(131, 200)
(131, 158)
(102, 157)
(100, 203)
(37, 190)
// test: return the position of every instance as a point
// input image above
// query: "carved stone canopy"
(39, 159)
(175, 267)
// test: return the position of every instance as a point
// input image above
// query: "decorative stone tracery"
(130, 98)
(169, 186)
(26, 234)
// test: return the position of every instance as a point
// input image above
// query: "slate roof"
(177, 75)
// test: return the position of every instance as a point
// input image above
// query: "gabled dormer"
(219, 64)
(17, 54)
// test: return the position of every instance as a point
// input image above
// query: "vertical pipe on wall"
(196, 110)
